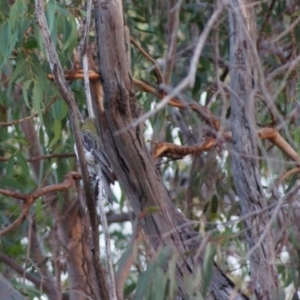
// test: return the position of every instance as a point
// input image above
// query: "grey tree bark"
(247, 179)
(8, 292)
(136, 169)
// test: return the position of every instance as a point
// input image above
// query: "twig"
(85, 61)
(287, 174)
(273, 216)
(29, 117)
(156, 67)
(285, 32)
(111, 275)
(173, 23)
(38, 282)
(40, 157)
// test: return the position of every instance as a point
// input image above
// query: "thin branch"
(287, 31)
(271, 134)
(274, 136)
(85, 61)
(156, 66)
(29, 117)
(291, 65)
(287, 174)
(177, 102)
(111, 275)
(13, 194)
(29, 199)
(173, 23)
(272, 219)
(146, 87)
(18, 221)
(41, 157)
(38, 282)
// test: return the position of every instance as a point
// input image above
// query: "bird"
(98, 164)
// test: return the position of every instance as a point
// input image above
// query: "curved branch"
(29, 199)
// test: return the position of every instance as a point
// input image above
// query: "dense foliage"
(36, 142)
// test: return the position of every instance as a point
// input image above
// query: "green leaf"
(37, 96)
(143, 282)
(152, 209)
(10, 166)
(214, 205)
(25, 89)
(20, 70)
(56, 129)
(16, 13)
(39, 210)
(31, 43)
(60, 109)
(5, 30)
(208, 268)
(22, 163)
(70, 32)
(50, 16)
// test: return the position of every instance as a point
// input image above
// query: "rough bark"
(135, 167)
(244, 158)
(8, 292)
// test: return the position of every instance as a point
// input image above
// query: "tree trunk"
(135, 167)
(244, 158)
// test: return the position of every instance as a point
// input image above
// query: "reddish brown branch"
(198, 108)
(201, 110)
(274, 137)
(29, 199)
(171, 150)
(287, 174)
(77, 74)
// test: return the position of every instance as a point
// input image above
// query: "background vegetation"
(45, 239)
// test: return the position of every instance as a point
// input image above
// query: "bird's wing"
(89, 144)
(101, 157)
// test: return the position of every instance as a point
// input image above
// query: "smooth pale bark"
(131, 161)
(244, 158)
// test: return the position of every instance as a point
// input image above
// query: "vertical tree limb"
(137, 172)
(244, 164)
(74, 114)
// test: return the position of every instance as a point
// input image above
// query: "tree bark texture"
(7, 291)
(244, 158)
(133, 164)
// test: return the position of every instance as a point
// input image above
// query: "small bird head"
(89, 124)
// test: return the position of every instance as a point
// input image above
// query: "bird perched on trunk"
(98, 163)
